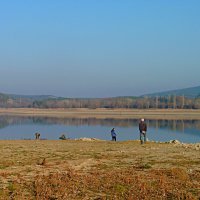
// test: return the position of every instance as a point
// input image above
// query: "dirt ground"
(24, 164)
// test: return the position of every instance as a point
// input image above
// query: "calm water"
(126, 129)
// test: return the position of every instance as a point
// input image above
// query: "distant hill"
(32, 97)
(188, 100)
(50, 101)
(17, 100)
(192, 92)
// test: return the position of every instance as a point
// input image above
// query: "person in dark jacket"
(143, 130)
(113, 134)
(37, 136)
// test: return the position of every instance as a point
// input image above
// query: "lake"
(15, 128)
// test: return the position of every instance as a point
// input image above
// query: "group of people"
(142, 130)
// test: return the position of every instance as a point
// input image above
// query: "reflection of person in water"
(113, 134)
(37, 136)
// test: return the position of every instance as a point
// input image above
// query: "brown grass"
(97, 170)
(119, 184)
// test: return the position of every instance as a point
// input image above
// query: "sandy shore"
(106, 113)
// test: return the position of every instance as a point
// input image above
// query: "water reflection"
(86, 127)
(174, 125)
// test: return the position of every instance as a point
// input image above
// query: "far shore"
(105, 113)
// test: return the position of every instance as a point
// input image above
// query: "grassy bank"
(72, 169)
(105, 113)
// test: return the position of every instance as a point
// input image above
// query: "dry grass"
(103, 113)
(97, 170)
(128, 183)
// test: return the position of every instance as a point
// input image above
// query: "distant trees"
(3, 100)
(173, 102)
(158, 102)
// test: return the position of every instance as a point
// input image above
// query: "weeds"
(145, 166)
(3, 166)
(119, 184)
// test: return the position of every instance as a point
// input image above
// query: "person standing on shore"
(113, 134)
(37, 136)
(143, 130)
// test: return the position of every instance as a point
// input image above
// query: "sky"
(98, 48)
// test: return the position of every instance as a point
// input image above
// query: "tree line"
(176, 102)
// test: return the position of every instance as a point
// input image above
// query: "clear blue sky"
(98, 48)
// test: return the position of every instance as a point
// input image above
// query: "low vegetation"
(98, 170)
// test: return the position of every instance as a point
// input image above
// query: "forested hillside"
(192, 92)
(188, 98)
(116, 102)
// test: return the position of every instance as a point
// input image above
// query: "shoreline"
(177, 143)
(104, 113)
